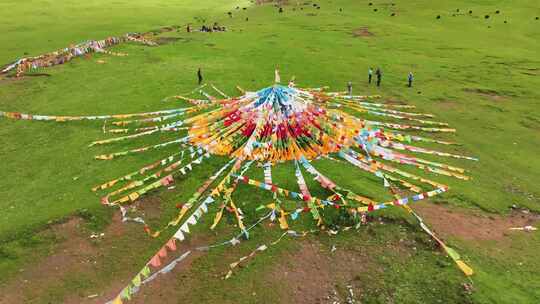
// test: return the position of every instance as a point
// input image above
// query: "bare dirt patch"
(75, 254)
(447, 104)
(166, 40)
(472, 225)
(175, 285)
(490, 94)
(279, 2)
(312, 273)
(165, 288)
(9, 79)
(79, 257)
(362, 32)
(150, 207)
(395, 101)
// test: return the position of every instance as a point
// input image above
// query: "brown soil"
(491, 94)
(362, 32)
(150, 207)
(165, 288)
(447, 104)
(279, 2)
(473, 226)
(75, 254)
(9, 79)
(170, 287)
(166, 40)
(394, 101)
(312, 274)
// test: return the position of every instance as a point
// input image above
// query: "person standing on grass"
(410, 79)
(277, 78)
(199, 76)
(370, 74)
(378, 73)
(349, 88)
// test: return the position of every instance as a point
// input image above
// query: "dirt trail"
(362, 32)
(473, 226)
(490, 94)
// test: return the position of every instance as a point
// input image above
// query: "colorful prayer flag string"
(271, 126)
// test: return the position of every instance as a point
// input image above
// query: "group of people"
(378, 75)
(208, 29)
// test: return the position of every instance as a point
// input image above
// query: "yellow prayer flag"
(283, 221)
(465, 268)
(133, 196)
(217, 219)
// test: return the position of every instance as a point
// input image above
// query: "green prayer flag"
(137, 280)
(146, 271)
(452, 253)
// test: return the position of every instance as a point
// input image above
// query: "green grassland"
(480, 75)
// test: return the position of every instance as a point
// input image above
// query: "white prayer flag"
(179, 235)
(184, 228)
(192, 220)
